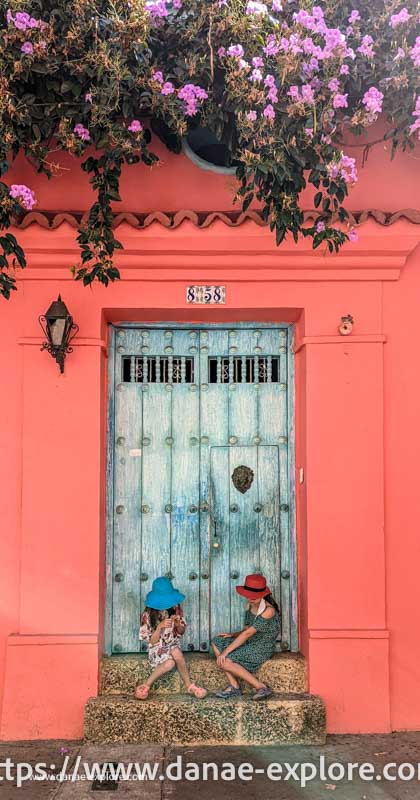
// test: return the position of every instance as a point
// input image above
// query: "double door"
(199, 470)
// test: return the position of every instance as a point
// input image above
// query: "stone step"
(285, 672)
(181, 719)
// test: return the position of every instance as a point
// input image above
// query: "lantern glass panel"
(57, 329)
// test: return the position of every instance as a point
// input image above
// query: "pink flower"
(415, 52)
(372, 99)
(416, 113)
(269, 80)
(82, 132)
(27, 48)
(158, 77)
(157, 8)
(320, 226)
(354, 16)
(167, 88)
(235, 50)
(221, 52)
(256, 75)
(334, 84)
(294, 92)
(191, 94)
(257, 61)
(135, 126)
(269, 112)
(271, 48)
(366, 48)
(309, 132)
(307, 93)
(398, 19)
(353, 235)
(23, 194)
(88, 97)
(251, 116)
(22, 21)
(340, 101)
(253, 7)
(344, 168)
(344, 70)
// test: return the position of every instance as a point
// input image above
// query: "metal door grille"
(244, 369)
(158, 369)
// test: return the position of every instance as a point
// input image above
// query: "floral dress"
(169, 637)
(259, 648)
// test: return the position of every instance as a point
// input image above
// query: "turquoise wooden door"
(245, 526)
(189, 405)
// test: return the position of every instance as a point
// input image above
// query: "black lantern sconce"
(59, 328)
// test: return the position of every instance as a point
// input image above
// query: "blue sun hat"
(163, 595)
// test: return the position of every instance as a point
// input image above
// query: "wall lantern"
(59, 328)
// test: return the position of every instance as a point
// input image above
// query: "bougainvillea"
(280, 83)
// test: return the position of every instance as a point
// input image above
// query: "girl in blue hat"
(162, 625)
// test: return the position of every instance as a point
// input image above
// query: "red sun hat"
(254, 588)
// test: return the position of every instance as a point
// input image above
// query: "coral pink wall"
(358, 401)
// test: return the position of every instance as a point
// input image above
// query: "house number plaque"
(206, 295)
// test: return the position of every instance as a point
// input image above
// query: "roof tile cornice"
(201, 219)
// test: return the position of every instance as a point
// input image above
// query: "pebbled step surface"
(286, 718)
(285, 672)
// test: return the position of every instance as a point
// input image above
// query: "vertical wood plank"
(244, 523)
(127, 497)
(243, 397)
(156, 474)
(185, 533)
(274, 431)
(214, 431)
(219, 499)
(286, 565)
(269, 517)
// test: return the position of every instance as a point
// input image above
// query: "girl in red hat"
(240, 654)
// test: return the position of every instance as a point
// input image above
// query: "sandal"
(230, 691)
(263, 693)
(142, 691)
(197, 691)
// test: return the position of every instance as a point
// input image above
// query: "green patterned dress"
(259, 648)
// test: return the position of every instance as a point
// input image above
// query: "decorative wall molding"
(368, 338)
(349, 633)
(201, 219)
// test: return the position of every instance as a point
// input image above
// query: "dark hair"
(156, 615)
(271, 601)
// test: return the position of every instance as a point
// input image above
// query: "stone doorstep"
(285, 718)
(285, 672)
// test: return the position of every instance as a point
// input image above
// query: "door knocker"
(242, 478)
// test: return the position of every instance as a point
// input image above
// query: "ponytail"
(271, 601)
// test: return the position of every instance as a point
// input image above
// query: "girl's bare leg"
(160, 670)
(181, 665)
(231, 678)
(240, 672)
